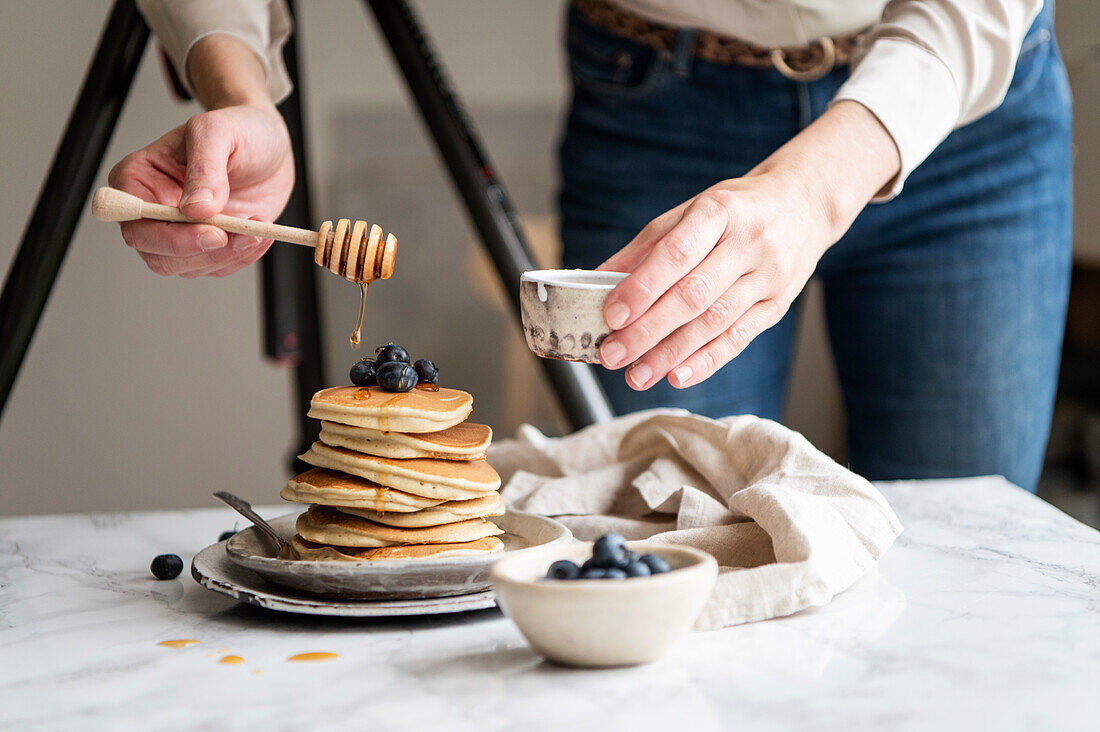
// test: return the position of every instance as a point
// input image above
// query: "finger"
(673, 256)
(195, 264)
(627, 258)
(249, 256)
(207, 144)
(172, 240)
(682, 303)
(728, 345)
(655, 363)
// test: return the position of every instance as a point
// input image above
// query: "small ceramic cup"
(602, 622)
(562, 311)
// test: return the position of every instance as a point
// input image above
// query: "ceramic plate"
(389, 579)
(212, 569)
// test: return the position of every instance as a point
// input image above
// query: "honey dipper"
(347, 249)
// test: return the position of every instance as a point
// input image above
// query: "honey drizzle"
(180, 643)
(428, 387)
(363, 394)
(356, 337)
(383, 418)
(231, 660)
(317, 656)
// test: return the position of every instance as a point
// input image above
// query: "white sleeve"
(264, 25)
(930, 66)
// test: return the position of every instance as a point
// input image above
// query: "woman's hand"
(235, 159)
(713, 273)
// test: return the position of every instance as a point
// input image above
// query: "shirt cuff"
(262, 25)
(912, 93)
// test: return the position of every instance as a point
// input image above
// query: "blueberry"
(166, 566)
(637, 569)
(614, 573)
(631, 556)
(588, 564)
(363, 372)
(656, 564)
(396, 376)
(391, 352)
(594, 573)
(225, 535)
(610, 551)
(426, 371)
(563, 569)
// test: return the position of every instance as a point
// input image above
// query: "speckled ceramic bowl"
(389, 579)
(562, 312)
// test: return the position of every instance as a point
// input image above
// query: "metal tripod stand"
(292, 332)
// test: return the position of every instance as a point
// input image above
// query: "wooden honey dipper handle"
(111, 204)
(350, 250)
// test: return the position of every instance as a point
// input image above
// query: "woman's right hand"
(235, 160)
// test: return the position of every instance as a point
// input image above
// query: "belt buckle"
(824, 66)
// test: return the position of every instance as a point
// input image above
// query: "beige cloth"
(790, 528)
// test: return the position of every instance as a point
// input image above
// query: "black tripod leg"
(61, 202)
(292, 331)
(486, 201)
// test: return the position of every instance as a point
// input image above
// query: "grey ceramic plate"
(388, 579)
(212, 569)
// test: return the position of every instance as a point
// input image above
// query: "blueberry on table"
(637, 568)
(166, 566)
(391, 352)
(363, 372)
(610, 551)
(396, 376)
(656, 564)
(563, 569)
(225, 535)
(426, 371)
(614, 573)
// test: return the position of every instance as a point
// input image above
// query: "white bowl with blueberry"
(608, 603)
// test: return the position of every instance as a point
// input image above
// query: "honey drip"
(427, 387)
(363, 394)
(231, 660)
(357, 335)
(180, 643)
(314, 657)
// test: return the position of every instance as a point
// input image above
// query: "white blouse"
(924, 68)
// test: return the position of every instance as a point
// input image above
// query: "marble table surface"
(984, 615)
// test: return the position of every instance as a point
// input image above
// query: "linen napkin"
(789, 527)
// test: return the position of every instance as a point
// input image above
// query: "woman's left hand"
(707, 277)
(713, 273)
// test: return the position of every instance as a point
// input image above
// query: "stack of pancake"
(398, 476)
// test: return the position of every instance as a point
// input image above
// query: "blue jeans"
(945, 306)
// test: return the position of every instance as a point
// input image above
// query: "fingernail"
(613, 353)
(616, 315)
(199, 195)
(209, 240)
(640, 375)
(682, 374)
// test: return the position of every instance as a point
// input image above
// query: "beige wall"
(143, 392)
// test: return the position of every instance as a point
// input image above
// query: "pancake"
(450, 480)
(466, 441)
(330, 488)
(328, 525)
(309, 550)
(418, 410)
(445, 513)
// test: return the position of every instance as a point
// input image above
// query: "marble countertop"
(984, 615)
